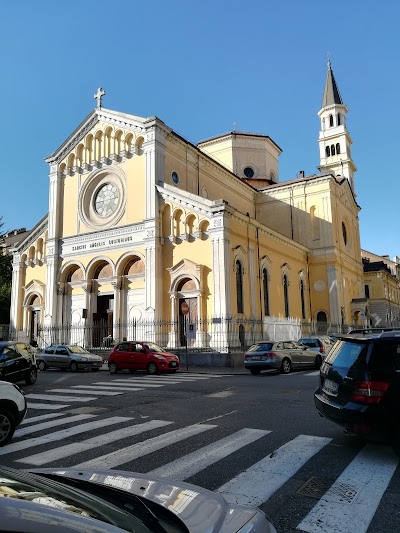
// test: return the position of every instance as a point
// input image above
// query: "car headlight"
(84, 359)
(160, 357)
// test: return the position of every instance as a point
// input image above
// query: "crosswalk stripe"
(153, 381)
(194, 462)
(363, 483)
(57, 398)
(98, 392)
(39, 418)
(94, 442)
(45, 406)
(134, 382)
(62, 434)
(94, 388)
(316, 373)
(256, 484)
(52, 423)
(175, 378)
(182, 374)
(125, 455)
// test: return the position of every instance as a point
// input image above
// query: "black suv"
(359, 385)
(17, 362)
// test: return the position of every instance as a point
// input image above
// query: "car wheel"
(318, 362)
(255, 371)
(73, 366)
(132, 370)
(7, 426)
(152, 368)
(32, 378)
(42, 366)
(286, 366)
(112, 367)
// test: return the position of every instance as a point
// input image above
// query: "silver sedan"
(68, 356)
(280, 355)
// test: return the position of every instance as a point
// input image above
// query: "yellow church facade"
(141, 221)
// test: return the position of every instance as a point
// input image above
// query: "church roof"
(242, 134)
(331, 91)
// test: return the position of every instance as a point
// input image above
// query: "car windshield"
(264, 347)
(77, 349)
(153, 347)
(309, 342)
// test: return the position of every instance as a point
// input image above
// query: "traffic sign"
(184, 308)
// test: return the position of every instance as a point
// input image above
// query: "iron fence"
(211, 334)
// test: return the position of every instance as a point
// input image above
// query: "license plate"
(256, 357)
(173, 364)
(330, 387)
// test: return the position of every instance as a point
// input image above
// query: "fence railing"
(211, 334)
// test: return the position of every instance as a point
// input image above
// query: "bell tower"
(334, 138)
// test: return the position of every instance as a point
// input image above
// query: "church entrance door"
(103, 321)
(190, 318)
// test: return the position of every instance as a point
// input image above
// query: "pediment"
(186, 268)
(90, 124)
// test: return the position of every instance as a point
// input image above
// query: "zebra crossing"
(349, 504)
(61, 398)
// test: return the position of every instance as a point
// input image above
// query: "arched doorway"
(189, 319)
(322, 322)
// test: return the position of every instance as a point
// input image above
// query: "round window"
(248, 172)
(175, 177)
(106, 200)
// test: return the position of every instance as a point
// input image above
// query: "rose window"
(107, 199)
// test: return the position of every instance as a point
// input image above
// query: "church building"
(141, 221)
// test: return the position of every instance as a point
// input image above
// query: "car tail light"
(246, 355)
(370, 392)
(271, 354)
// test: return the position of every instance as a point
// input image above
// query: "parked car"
(109, 501)
(68, 356)
(317, 344)
(359, 386)
(139, 355)
(281, 355)
(17, 362)
(12, 410)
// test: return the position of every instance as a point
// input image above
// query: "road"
(256, 439)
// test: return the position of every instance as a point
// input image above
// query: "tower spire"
(334, 138)
(331, 91)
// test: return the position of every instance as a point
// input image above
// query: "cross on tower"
(98, 96)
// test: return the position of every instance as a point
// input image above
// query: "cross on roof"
(98, 96)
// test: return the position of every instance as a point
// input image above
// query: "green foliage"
(5, 286)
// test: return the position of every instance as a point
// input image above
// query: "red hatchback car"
(135, 355)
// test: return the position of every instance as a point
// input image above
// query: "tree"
(5, 284)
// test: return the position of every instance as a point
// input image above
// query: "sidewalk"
(220, 370)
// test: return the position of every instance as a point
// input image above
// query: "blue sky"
(200, 67)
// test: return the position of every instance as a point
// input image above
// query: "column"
(117, 333)
(15, 296)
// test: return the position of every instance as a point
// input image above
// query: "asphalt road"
(256, 439)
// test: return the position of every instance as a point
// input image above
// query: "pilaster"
(334, 296)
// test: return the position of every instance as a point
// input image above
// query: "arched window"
(286, 294)
(328, 151)
(339, 119)
(239, 287)
(303, 301)
(333, 149)
(330, 121)
(338, 148)
(266, 292)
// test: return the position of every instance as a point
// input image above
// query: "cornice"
(33, 235)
